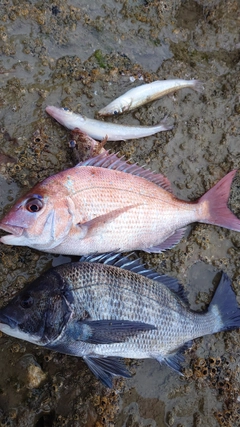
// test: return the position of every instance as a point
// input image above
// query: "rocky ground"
(81, 55)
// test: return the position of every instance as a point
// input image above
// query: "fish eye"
(72, 143)
(115, 112)
(26, 301)
(34, 205)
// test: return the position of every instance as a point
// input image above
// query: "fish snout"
(16, 230)
(7, 319)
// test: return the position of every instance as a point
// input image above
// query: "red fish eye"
(26, 301)
(34, 205)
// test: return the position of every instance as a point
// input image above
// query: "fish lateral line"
(136, 267)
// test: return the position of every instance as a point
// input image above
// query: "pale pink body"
(90, 209)
(100, 191)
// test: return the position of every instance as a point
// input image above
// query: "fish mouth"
(12, 229)
(6, 320)
(58, 114)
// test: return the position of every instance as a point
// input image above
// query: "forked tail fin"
(217, 199)
(224, 306)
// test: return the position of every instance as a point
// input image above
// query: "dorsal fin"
(136, 265)
(112, 161)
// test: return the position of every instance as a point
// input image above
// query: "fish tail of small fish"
(165, 123)
(224, 306)
(197, 85)
(214, 205)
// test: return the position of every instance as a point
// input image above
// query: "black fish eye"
(72, 143)
(26, 301)
(115, 112)
(34, 205)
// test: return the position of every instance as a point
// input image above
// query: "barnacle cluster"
(106, 407)
(216, 372)
(34, 160)
(202, 41)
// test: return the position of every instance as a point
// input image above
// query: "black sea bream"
(108, 307)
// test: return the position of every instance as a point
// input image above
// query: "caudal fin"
(197, 85)
(224, 306)
(217, 199)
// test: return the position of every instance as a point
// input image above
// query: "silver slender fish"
(143, 94)
(102, 312)
(99, 130)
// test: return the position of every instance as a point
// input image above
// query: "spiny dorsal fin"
(112, 161)
(136, 265)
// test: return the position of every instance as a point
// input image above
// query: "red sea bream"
(105, 204)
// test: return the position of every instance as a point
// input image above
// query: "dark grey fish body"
(101, 312)
(113, 293)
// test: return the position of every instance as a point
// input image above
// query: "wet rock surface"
(81, 55)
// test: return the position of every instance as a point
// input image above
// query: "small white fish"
(143, 94)
(99, 130)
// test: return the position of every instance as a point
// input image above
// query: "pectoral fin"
(97, 224)
(106, 368)
(106, 331)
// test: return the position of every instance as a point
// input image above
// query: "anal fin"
(175, 359)
(168, 243)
